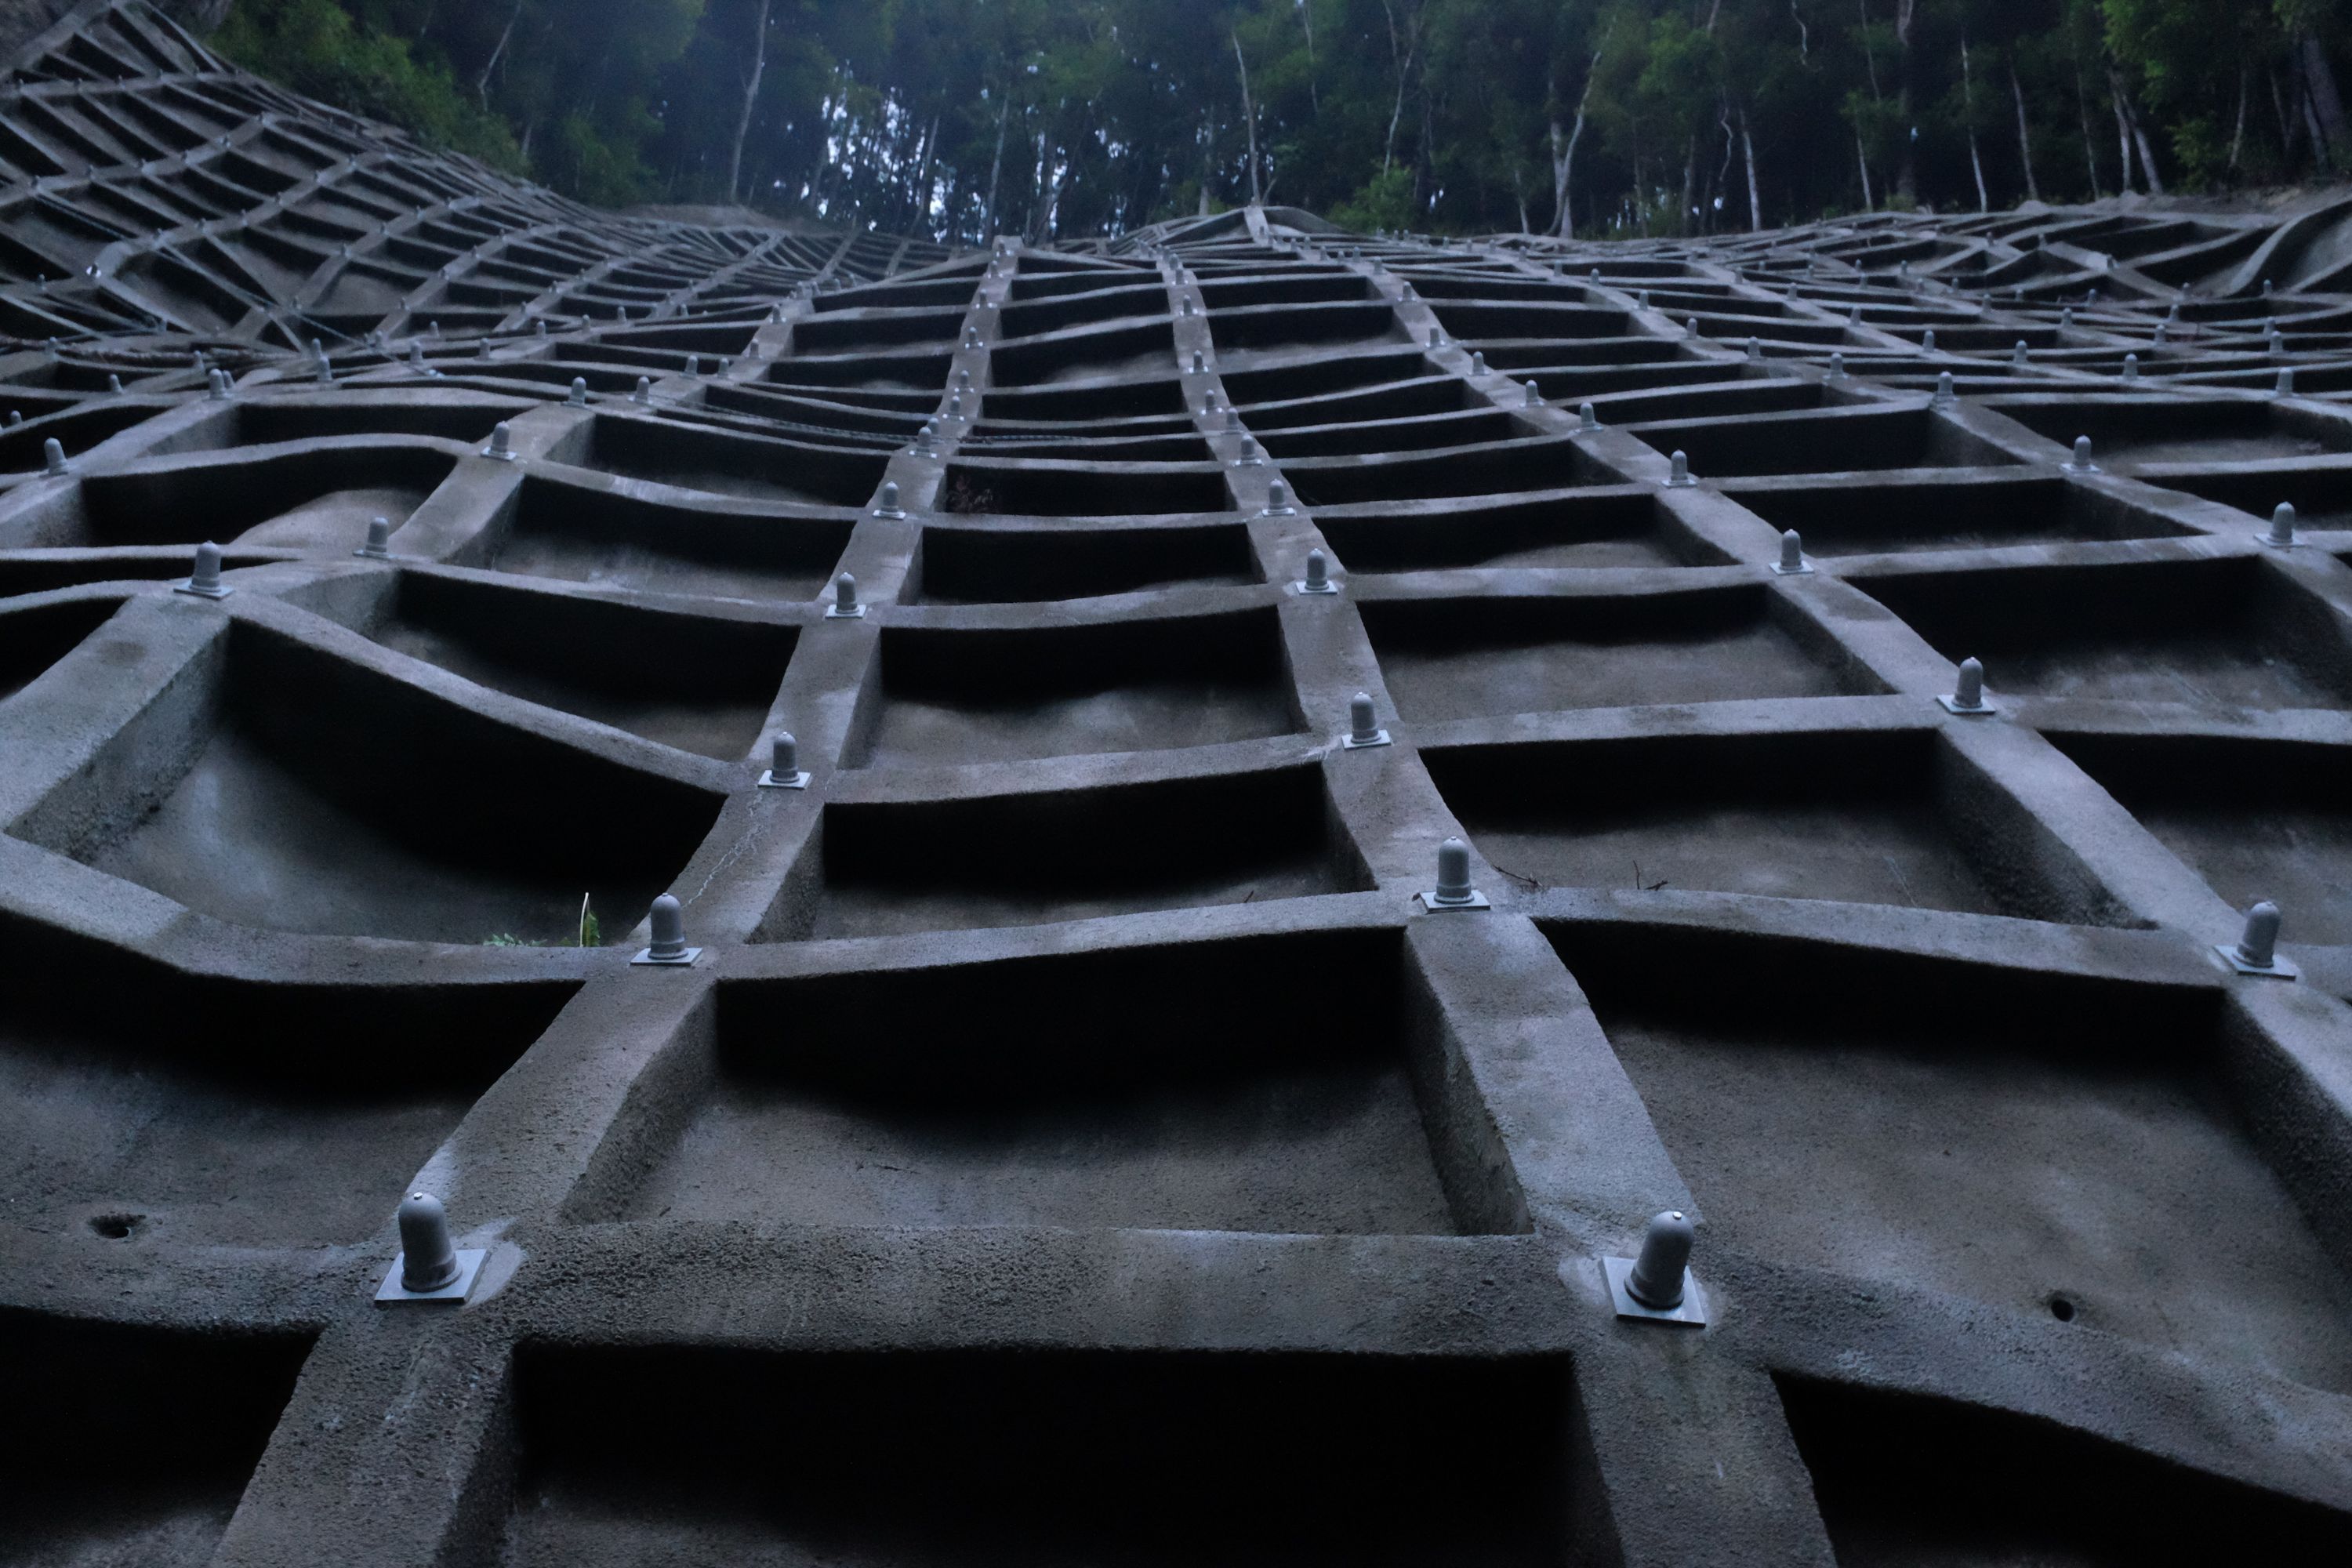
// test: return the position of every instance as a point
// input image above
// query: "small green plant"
(590, 932)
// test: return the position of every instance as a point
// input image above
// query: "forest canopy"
(1044, 118)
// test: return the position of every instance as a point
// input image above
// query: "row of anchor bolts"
(431, 1268)
(2256, 951)
(2282, 517)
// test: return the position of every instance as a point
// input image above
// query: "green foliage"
(1041, 118)
(590, 932)
(586, 162)
(316, 48)
(2202, 149)
(559, 90)
(1384, 202)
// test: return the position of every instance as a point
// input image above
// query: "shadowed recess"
(701, 683)
(949, 698)
(290, 798)
(1874, 817)
(1905, 1480)
(1057, 1458)
(140, 1104)
(1290, 1097)
(1466, 657)
(2257, 819)
(1029, 566)
(578, 534)
(2213, 633)
(116, 1472)
(1061, 854)
(2006, 1134)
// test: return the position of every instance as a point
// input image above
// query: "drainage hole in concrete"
(2062, 1309)
(116, 1226)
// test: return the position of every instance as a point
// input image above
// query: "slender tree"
(963, 118)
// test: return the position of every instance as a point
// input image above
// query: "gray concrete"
(1075, 1143)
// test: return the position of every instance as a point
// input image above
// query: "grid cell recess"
(1085, 1134)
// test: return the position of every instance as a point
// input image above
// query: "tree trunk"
(1249, 117)
(1688, 214)
(1208, 140)
(987, 224)
(1400, 54)
(1563, 158)
(2321, 154)
(482, 83)
(2238, 138)
(1422, 160)
(1907, 172)
(750, 100)
(2090, 143)
(1968, 113)
(1862, 160)
(1869, 55)
(2131, 120)
(922, 191)
(2123, 125)
(1040, 208)
(2326, 103)
(1306, 20)
(2024, 142)
(1755, 197)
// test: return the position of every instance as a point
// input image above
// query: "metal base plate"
(1429, 901)
(835, 613)
(469, 1268)
(1780, 570)
(189, 586)
(683, 960)
(2280, 969)
(1951, 705)
(1328, 587)
(770, 780)
(1690, 1314)
(2277, 543)
(1350, 743)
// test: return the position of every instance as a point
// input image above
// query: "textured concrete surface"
(1075, 1143)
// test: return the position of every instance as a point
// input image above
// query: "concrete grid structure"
(1080, 1140)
